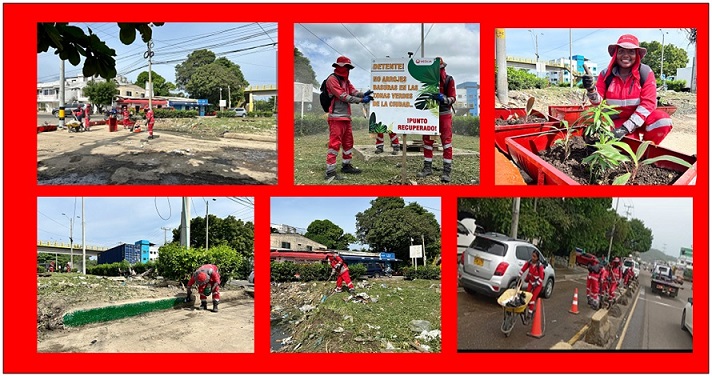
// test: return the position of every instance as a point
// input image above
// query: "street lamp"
(536, 44)
(207, 205)
(662, 58)
(71, 240)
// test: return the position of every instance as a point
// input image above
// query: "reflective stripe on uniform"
(665, 122)
(636, 119)
(428, 147)
(643, 111)
(332, 151)
(428, 159)
(624, 102)
(447, 146)
(447, 161)
(347, 152)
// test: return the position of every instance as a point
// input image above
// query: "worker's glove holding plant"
(440, 98)
(587, 81)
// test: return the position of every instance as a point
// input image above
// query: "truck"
(662, 281)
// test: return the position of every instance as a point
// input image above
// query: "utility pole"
(165, 237)
(610, 244)
(571, 63)
(61, 94)
(425, 259)
(207, 205)
(84, 241)
(536, 45)
(515, 217)
(501, 61)
(71, 238)
(220, 103)
(148, 55)
(185, 224)
(662, 59)
(229, 97)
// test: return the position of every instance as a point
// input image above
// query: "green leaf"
(622, 180)
(641, 149)
(425, 73)
(669, 158)
(628, 150)
(127, 35)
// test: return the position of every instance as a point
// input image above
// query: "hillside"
(655, 254)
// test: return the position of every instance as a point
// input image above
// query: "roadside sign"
(416, 251)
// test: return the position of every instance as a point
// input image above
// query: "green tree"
(328, 233)
(268, 105)
(100, 93)
(71, 43)
(518, 79)
(639, 239)
(196, 59)
(390, 225)
(674, 57)
(211, 81)
(160, 85)
(230, 232)
(303, 71)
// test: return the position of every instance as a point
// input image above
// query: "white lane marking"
(661, 303)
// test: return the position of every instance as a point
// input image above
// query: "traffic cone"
(574, 305)
(536, 323)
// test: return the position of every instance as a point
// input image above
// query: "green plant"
(606, 157)
(598, 121)
(565, 142)
(423, 272)
(637, 162)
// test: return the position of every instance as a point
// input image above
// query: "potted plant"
(518, 121)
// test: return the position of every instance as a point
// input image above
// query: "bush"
(178, 263)
(166, 114)
(466, 125)
(226, 114)
(356, 271)
(290, 272)
(41, 269)
(676, 85)
(260, 114)
(423, 272)
(518, 79)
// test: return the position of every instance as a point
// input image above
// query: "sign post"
(416, 252)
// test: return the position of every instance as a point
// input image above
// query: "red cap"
(343, 61)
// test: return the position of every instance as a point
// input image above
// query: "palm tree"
(692, 38)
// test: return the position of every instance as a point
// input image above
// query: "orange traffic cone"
(537, 331)
(574, 305)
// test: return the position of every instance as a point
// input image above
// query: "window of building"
(310, 248)
(286, 245)
(129, 94)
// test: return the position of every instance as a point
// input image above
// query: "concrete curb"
(120, 311)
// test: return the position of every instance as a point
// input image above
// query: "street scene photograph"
(386, 104)
(361, 279)
(596, 106)
(574, 274)
(145, 275)
(156, 103)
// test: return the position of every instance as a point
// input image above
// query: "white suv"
(491, 265)
(241, 112)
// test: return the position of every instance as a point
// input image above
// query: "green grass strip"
(88, 316)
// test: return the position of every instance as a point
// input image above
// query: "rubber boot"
(379, 149)
(332, 174)
(347, 168)
(396, 149)
(447, 169)
(204, 304)
(215, 305)
(427, 169)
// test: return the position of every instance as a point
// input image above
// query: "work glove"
(439, 97)
(366, 99)
(620, 132)
(587, 81)
(368, 93)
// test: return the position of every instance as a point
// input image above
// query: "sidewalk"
(564, 273)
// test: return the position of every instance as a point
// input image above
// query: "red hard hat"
(201, 278)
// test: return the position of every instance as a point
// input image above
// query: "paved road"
(655, 323)
(480, 319)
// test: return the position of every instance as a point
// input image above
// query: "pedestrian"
(341, 270)
(51, 267)
(149, 122)
(606, 280)
(68, 267)
(534, 278)
(616, 276)
(126, 116)
(395, 143)
(342, 94)
(629, 85)
(207, 279)
(87, 116)
(593, 285)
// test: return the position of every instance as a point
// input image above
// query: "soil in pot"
(647, 175)
(520, 120)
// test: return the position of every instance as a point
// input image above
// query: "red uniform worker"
(339, 267)
(207, 279)
(535, 277)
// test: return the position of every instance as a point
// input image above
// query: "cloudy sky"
(299, 212)
(111, 221)
(591, 43)
(670, 219)
(242, 43)
(323, 43)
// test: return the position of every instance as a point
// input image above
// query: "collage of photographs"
(162, 183)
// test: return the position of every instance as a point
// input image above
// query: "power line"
(359, 42)
(53, 220)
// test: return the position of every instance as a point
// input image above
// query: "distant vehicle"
(251, 277)
(679, 275)
(241, 112)
(630, 263)
(686, 322)
(491, 265)
(662, 281)
(585, 259)
(466, 232)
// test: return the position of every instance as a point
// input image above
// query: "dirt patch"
(177, 330)
(572, 166)
(191, 156)
(682, 138)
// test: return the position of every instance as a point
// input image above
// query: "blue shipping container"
(128, 252)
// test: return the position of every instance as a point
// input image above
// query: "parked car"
(584, 259)
(630, 263)
(466, 232)
(686, 322)
(491, 265)
(251, 277)
(241, 112)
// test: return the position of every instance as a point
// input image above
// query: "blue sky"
(323, 43)
(111, 221)
(299, 212)
(669, 218)
(591, 43)
(173, 42)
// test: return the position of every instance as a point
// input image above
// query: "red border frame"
(21, 190)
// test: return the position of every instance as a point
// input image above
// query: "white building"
(48, 92)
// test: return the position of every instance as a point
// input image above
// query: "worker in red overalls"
(126, 116)
(534, 278)
(339, 267)
(149, 122)
(593, 285)
(207, 279)
(616, 276)
(51, 267)
(87, 113)
(446, 98)
(606, 280)
(395, 143)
